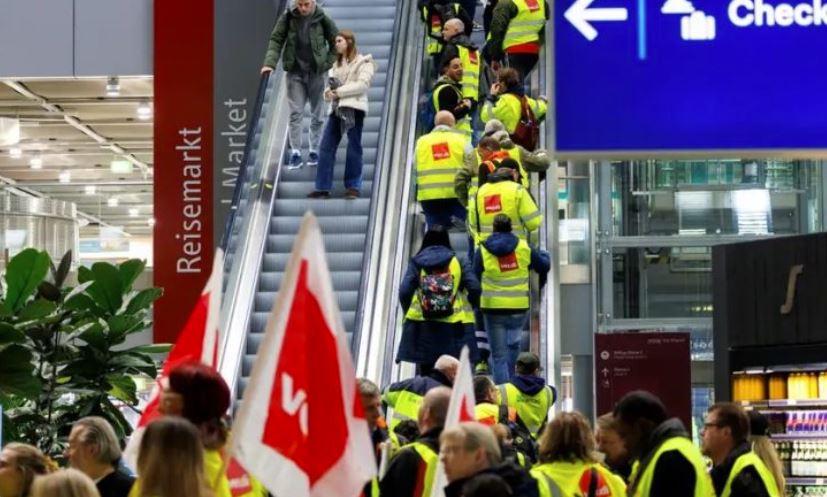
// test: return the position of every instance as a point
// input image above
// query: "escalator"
(272, 199)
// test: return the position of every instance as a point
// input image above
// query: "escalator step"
(328, 225)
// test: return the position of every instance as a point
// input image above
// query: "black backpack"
(523, 442)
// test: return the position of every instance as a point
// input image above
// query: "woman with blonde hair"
(568, 462)
(171, 461)
(64, 483)
(764, 449)
(19, 465)
(347, 92)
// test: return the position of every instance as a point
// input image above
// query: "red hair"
(205, 393)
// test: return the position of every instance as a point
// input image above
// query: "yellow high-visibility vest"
(505, 278)
(703, 483)
(532, 409)
(525, 27)
(563, 479)
(470, 72)
(744, 461)
(438, 158)
(503, 197)
(461, 306)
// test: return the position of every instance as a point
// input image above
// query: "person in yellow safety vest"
(665, 461)
(487, 411)
(470, 452)
(437, 293)
(372, 407)
(502, 264)
(527, 391)
(501, 193)
(466, 181)
(412, 470)
(568, 467)
(457, 44)
(609, 443)
(763, 446)
(515, 35)
(438, 157)
(737, 471)
(405, 397)
(199, 394)
(435, 14)
(447, 95)
(504, 101)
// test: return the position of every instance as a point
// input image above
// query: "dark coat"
(520, 482)
(747, 483)
(283, 39)
(424, 341)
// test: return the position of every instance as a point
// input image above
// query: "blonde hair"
(765, 451)
(64, 483)
(568, 438)
(350, 39)
(171, 460)
(31, 462)
(475, 436)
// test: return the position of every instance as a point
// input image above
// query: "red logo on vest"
(440, 151)
(601, 488)
(493, 204)
(508, 262)
(472, 56)
(436, 22)
(533, 5)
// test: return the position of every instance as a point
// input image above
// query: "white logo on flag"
(292, 403)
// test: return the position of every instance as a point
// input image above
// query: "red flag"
(300, 429)
(198, 341)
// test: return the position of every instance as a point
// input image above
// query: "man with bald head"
(438, 157)
(410, 473)
(406, 397)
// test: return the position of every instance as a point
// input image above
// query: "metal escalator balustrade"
(345, 224)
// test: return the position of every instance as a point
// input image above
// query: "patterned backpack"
(436, 292)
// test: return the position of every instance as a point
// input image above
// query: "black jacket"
(115, 484)
(674, 475)
(521, 483)
(747, 483)
(401, 478)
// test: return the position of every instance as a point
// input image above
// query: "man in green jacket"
(305, 39)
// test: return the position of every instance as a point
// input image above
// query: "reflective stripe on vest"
(505, 278)
(462, 126)
(433, 28)
(499, 198)
(526, 25)
(532, 409)
(487, 413)
(546, 486)
(438, 158)
(470, 72)
(405, 406)
(431, 458)
(461, 307)
(513, 153)
(703, 483)
(744, 461)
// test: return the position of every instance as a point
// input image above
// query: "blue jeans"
(327, 153)
(443, 211)
(505, 333)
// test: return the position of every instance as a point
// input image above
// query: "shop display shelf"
(806, 481)
(764, 404)
(799, 436)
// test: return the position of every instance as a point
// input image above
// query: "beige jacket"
(355, 77)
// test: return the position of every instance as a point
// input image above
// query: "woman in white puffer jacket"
(347, 92)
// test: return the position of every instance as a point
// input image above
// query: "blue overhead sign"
(690, 75)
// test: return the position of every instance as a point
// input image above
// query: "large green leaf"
(143, 299)
(95, 337)
(37, 309)
(123, 324)
(85, 274)
(48, 291)
(17, 373)
(156, 348)
(10, 334)
(107, 290)
(25, 271)
(130, 270)
(123, 388)
(62, 271)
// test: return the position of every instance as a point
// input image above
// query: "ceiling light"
(65, 177)
(89, 189)
(133, 212)
(36, 162)
(113, 87)
(16, 152)
(119, 166)
(9, 131)
(112, 201)
(151, 221)
(144, 111)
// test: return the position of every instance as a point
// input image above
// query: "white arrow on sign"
(579, 15)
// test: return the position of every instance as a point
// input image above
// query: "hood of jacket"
(463, 40)
(434, 256)
(501, 243)
(528, 384)
(668, 429)
(445, 80)
(362, 59)
(504, 138)
(497, 177)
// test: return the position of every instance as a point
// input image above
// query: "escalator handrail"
(380, 192)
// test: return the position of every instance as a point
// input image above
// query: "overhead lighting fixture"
(144, 111)
(151, 221)
(113, 87)
(65, 177)
(15, 152)
(119, 166)
(133, 212)
(89, 189)
(36, 162)
(9, 131)
(112, 201)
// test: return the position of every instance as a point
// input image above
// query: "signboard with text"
(656, 76)
(656, 362)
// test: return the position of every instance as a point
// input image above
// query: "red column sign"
(657, 362)
(183, 238)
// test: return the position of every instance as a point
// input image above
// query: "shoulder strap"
(503, 395)
(552, 486)
(503, 414)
